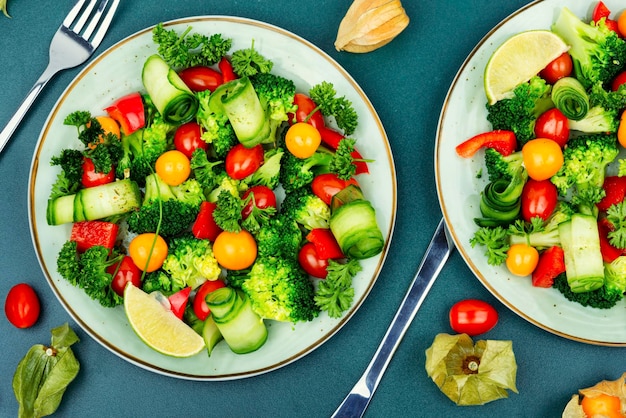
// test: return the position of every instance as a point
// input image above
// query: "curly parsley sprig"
(325, 96)
(335, 294)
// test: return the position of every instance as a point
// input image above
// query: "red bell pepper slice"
(609, 252)
(325, 243)
(615, 191)
(92, 178)
(502, 141)
(90, 233)
(551, 264)
(178, 302)
(128, 111)
(600, 11)
(204, 227)
(226, 68)
(331, 138)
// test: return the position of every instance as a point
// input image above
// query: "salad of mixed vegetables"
(220, 187)
(553, 207)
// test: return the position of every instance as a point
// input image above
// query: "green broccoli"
(269, 173)
(584, 163)
(276, 94)
(520, 112)
(535, 233)
(169, 209)
(227, 213)
(296, 173)
(217, 130)
(615, 277)
(597, 120)
(159, 281)
(607, 99)
(598, 53)
(502, 167)
(599, 298)
(189, 49)
(208, 173)
(306, 208)
(280, 290)
(336, 293)
(190, 262)
(89, 271)
(280, 236)
(142, 148)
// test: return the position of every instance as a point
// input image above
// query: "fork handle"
(15, 120)
(437, 253)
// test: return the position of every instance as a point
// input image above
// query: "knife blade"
(437, 253)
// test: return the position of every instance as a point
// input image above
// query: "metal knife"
(437, 253)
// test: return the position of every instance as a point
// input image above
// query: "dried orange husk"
(370, 24)
(471, 374)
(605, 387)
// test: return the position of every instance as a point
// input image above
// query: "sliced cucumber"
(211, 334)
(354, 226)
(242, 329)
(245, 113)
(96, 202)
(580, 241)
(169, 93)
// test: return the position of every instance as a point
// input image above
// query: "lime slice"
(518, 59)
(158, 327)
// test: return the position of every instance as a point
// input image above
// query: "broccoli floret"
(276, 95)
(598, 54)
(218, 132)
(599, 298)
(584, 163)
(597, 120)
(208, 173)
(159, 281)
(502, 167)
(520, 112)
(190, 262)
(280, 236)
(227, 213)
(615, 277)
(89, 271)
(535, 233)
(142, 148)
(269, 173)
(297, 172)
(608, 99)
(335, 294)
(170, 209)
(306, 208)
(280, 290)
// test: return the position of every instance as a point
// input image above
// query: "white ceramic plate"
(116, 72)
(463, 116)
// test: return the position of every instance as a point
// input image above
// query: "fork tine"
(83, 17)
(73, 13)
(95, 20)
(108, 17)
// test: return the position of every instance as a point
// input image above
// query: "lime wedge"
(158, 327)
(518, 59)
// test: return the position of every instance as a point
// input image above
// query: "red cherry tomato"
(539, 198)
(241, 161)
(22, 306)
(264, 198)
(472, 317)
(552, 124)
(311, 262)
(124, 272)
(204, 226)
(188, 138)
(200, 308)
(325, 186)
(93, 178)
(618, 81)
(560, 67)
(305, 107)
(201, 78)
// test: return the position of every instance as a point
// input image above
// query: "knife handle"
(436, 255)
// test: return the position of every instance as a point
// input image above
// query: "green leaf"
(28, 377)
(58, 378)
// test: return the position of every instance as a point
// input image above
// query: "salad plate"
(464, 115)
(117, 72)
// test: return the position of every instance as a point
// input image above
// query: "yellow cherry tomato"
(235, 250)
(148, 251)
(602, 405)
(173, 167)
(522, 259)
(621, 130)
(109, 125)
(302, 139)
(542, 158)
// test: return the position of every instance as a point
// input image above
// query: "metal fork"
(73, 43)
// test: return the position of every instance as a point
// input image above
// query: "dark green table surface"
(407, 81)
